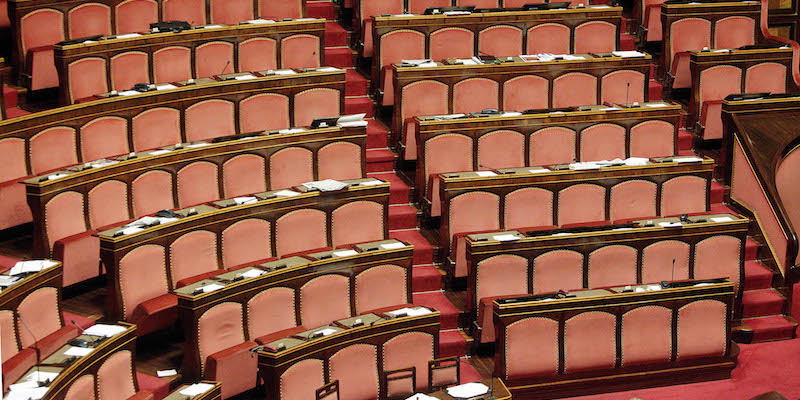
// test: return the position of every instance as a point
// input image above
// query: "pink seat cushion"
(153, 384)
(155, 314)
(7, 262)
(485, 316)
(234, 367)
(80, 255)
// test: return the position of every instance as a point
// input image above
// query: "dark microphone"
(308, 62)
(35, 348)
(80, 342)
(565, 165)
(628, 89)
(483, 53)
(225, 67)
(490, 169)
(665, 284)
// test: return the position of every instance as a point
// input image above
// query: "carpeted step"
(340, 57)
(15, 112)
(355, 83)
(761, 303)
(359, 105)
(380, 160)
(425, 278)
(756, 276)
(398, 190)
(717, 193)
(321, 9)
(685, 140)
(775, 327)
(655, 90)
(377, 134)
(402, 216)
(439, 302)
(423, 250)
(751, 249)
(452, 344)
(627, 42)
(10, 96)
(335, 35)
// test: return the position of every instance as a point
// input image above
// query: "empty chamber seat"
(39, 31)
(397, 45)
(128, 69)
(231, 12)
(191, 11)
(136, 15)
(452, 42)
(549, 38)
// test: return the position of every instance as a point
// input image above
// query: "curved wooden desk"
(71, 368)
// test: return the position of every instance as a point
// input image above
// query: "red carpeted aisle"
(761, 368)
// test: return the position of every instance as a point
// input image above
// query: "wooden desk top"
(11, 295)
(597, 11)
(501, 392)
(215, 393)
(132, 41)
(518, 64)
(704, 8)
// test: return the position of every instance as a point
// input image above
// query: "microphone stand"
(310, 59)
(36, 349)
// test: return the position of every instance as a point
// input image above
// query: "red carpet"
(757, 276)
(717, 192)
(751, 249)
(761, 368)
(439, 302)
(774, 327)
(425, 278)
(685, 140)
(377, 135)
(402, 216)
(423, 250)
(451, 344)
(355, 84)
(398, 190)
(761, 303)
(380, 160)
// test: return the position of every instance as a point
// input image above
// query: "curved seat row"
(514, 85)
(510, 140)
(438, 37)
(539, 263)
(94, 67)
(38, 25)
(50, 140)
(146, 266)
(471, 203)
(70, 210)
(293, 295)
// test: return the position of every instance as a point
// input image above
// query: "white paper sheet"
(372, 183)
(104, 330)
(131, 230)
(210, 26)
(78, 351)
(656, 105)
(669, 224)
(128, 92)
(506, 238)
(252, 273)
(286, 193)
(166, 372)
(245, 200)
(6, 280)
(28, 394)
(687, 159)
(22, 267)
(245, 77)
(467, 390)
(345, 253)
(325, 332)
(197, 388)
(166, 86)
(196, 145)
(392, 246)
(291, 130)
(628, 54)
(159, 152)
(328, 69)
(212, 287)
(721, 219)
(411, 312)
(538, 170)
(485, 173)
(284, 72)
(56, 176)
(260, 21)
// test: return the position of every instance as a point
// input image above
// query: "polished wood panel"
(613, 301)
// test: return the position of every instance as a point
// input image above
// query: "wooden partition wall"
(608, 340)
